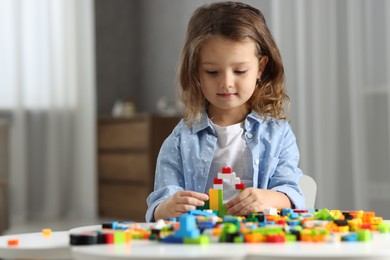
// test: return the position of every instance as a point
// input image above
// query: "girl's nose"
(226, 80)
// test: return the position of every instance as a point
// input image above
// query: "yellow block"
(46, 232)
(214, 199)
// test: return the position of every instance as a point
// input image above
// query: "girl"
(232, 84)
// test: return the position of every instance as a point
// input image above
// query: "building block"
(200, 240)
(227, 169)
(351, 237)
(84, 239)
(240, 186)
(13, 242)
(236, 181)
(254, 238)
(364, 235)
(187, 227)
(203, 213)
(384, 227)
(216, 198)
(218, 186)
(119, 237)
(277, 238)
(270, 211)
(46, 232)
(218, 181)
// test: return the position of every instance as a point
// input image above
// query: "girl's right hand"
(179, 203)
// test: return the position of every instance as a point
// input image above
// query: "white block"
(270, 211)
(218, 186)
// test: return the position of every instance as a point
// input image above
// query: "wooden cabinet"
(127, 153)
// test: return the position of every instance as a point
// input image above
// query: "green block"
(228, 228)
(220, 199)
(136, 236)
(251, 217)
(297, 228)
(238, 239)
(119, 237)
(205, 206)
(222, 211)
(364, 235)
(290, 238)
(384, 227)
(200, 240)
(268, 230)
(323, 214)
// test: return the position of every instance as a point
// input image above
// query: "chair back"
(309, 188)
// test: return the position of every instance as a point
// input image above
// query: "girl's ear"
(262, 63)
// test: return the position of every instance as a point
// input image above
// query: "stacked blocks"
(216, 193)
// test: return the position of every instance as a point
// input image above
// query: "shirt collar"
(205, 122)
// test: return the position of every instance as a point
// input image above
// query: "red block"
(109, 238)
(240, 186)
(226, 169)
(218, 181)
(300, 210)
(365, 226)
(275, 239)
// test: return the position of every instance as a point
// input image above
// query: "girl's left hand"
(256, 200)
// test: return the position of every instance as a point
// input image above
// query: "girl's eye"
(240, 71)
(211, 72)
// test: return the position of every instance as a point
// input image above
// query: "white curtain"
(47, 87)
(337, 59)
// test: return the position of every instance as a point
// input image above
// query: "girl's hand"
(179, 203)
(256, 200)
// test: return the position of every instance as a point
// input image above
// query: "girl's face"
(228, 71)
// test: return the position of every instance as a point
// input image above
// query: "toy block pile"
(211, 224)
(270, 226)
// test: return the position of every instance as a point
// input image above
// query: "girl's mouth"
(226, 94)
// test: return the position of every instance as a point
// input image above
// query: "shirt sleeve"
(287, 174)
(169, 174)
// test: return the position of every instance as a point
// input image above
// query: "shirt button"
(250, 136)
(257, 162)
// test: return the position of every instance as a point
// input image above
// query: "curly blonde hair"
(235, 21)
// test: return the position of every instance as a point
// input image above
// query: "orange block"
(13, 242)
(254, 238)
(128, 235)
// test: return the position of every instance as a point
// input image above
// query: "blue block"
(285, 212)
(351, 237)
(205, 225)
(198, 212)
(187, 227)
(293, 223)
(172, 240)
(230, 219)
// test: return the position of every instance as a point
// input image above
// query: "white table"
(377, 249)
(37, 246)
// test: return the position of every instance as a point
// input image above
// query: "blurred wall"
(116, 60)
(138, 44)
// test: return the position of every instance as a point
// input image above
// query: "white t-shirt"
(231, 151)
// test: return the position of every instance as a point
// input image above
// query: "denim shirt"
(185, 158)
